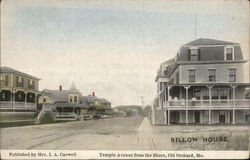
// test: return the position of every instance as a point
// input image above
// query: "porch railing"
(17, 105)
(228, 103)
(65, 114)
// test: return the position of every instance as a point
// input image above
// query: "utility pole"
(195, 30)
(142, 100)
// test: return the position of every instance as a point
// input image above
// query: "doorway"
(197, 116)
(175, 116)
(222, 116)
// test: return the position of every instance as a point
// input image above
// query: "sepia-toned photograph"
(131, 79)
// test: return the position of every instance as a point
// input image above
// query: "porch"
(201, 97)
(10, 105)
(202, 117)
(17, 100)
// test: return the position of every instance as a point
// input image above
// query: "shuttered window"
(211, 75)
(232, 75)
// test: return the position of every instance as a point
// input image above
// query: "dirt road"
(133, 133)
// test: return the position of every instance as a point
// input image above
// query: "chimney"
(60, 87)
(93, 94)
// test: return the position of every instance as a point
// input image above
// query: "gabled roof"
(59, 96)
(207, 41)
(91, 98)
(5, 69)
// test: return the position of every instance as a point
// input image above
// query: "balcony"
(206, 104)
(17, 105)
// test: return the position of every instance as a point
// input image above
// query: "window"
(223, 93)
(215, 94)
(70, 99)
(205, 94)
(31, 84)
(194, 54)
(19, 81)
(44, 99)
(4, 80)
(75, 98)
(232, 75)
(211, 75)
(229, 53)
(191, 75)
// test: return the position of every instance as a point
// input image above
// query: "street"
(131, 133)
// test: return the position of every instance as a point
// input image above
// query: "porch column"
(13, 99)
(165, 116)
(186, 103)
(233, 86)
(165, 95)
(160, 101)
(210, 103)
(169, 87)
(25, 99)
(36, 98)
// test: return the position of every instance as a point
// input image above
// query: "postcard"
(131, 79)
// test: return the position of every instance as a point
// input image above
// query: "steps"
(46, 115)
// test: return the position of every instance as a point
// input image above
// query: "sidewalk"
(146, 136)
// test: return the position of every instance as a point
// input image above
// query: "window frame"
(197, 54)
(75, 99)
(225, 53)
(209, 71)
(4, 79)
(229, 75)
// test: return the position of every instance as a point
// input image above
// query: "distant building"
(204, 83)
(97, 105)
(72, 105)
(65, 104)
(18, 95)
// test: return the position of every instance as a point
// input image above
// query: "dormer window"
(70, 99)
(73, 98)
(229, 53)
(194, 54)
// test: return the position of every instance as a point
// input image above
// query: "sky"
(111, 47)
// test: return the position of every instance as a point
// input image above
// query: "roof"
(91, 98)
(209, 50)
(59, 96)
(103, 100)
(207, 41)
(70, 105)
(5, 69)
(167, 63)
